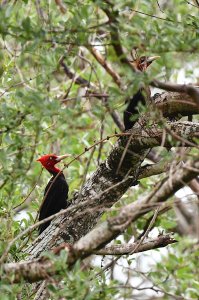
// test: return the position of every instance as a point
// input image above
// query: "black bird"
(55, 195)
(143, 94)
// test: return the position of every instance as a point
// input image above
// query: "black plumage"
(56, 191)
(55, 200)
(141, 97)
(131, 113)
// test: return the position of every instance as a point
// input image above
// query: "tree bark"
(40, 269)
(107, 184)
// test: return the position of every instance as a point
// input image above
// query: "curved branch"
(160, 241)
(190, 90)
(175, 104)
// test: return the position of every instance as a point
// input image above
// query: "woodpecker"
(141, 96)
(56, 191)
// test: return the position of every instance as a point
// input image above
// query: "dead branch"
(160, 241)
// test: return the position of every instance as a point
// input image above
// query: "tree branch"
(40, 269)
(160, 241)
(98, 56)
(154, 169)
(107, 188)
(112, 15)
(77, 79)
(83, 82)
(175, 104)
(190, 90)
(108, 230)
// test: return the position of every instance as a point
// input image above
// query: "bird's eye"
(50, 157)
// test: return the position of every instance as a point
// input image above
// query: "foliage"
(42, 111)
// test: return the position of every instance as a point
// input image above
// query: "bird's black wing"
(55, 200)
(131, 113)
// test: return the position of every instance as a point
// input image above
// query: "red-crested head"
(143, 62)
(49, 161)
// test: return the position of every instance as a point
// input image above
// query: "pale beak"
(59, 158)
(150, 59)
